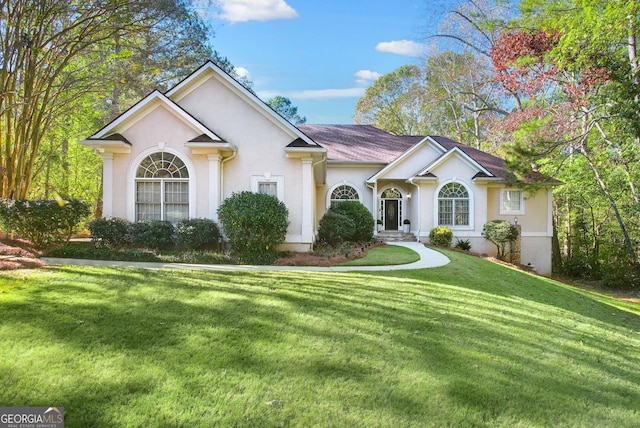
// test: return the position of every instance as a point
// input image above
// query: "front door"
(391, 214)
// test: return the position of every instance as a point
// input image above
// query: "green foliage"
(284, 106)
(501, 233)
(109, 232)
(43, 222)
(464, 245)
(335, 228)
(362, 219)
(75, 250)
(153, 234)
(197, 233)
(441, 236)
(255, 224)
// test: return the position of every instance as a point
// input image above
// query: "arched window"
(343, 193)
(453, 205)
(162, 188)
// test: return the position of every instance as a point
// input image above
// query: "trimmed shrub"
(255, 224)
(43, 222)
(197, 233)
(112, 232)
(362, 219)
(154, 234)
(335, 227)
(441, 236)
(501, 233)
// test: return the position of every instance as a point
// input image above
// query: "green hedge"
(43, 222)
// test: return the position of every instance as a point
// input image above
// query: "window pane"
(462, 212)
(445, 212)
(269, 188)
(511, 200)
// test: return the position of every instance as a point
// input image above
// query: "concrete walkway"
(428, 259)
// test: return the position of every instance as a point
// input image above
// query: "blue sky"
(322, 55)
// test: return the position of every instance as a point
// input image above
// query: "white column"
(107, 184)
(307, 200)
(214, 185)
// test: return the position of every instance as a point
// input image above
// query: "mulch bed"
(19, 254)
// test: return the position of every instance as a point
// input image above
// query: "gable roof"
(145, 105)
(209, 69)
(366, 143)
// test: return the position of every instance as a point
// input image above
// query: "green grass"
(384, 256)
(470, 344)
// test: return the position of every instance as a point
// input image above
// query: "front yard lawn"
(469, 344)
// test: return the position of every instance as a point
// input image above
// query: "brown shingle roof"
(363, 143)
(367, 143)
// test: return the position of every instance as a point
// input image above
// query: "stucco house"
(179, 154)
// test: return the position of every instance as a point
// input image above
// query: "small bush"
(464, 245)
(335, 227)
(441, 236)
(110, 232)
(152, 234)
(501, 233)
(43, 222)
(363, 221)
(255, 225)
(197, 233)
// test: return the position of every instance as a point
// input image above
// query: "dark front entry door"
(390, 214)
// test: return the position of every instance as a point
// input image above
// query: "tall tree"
(577, 75)
(395, 102)
(285, 107)
(53, 54)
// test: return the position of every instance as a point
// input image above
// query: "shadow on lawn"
(409, 344)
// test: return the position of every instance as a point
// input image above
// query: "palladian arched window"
(453, 205)
(162, 188)
(343, 193)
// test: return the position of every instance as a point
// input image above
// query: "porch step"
(395, 236)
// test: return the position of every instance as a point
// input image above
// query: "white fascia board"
(109, 146)
(147, 105)
(185, 87)
(457, 152)
(407, 153)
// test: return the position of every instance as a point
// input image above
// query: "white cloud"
(328, 93)
(243, 72)
(365, 77)
(255, 10)
(402, 47)
(318, 94)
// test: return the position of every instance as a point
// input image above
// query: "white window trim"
(503, 211)
(256, 180)
(436, 206)
(131, 180)
(344, 183)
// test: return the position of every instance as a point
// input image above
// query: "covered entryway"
(391, 208)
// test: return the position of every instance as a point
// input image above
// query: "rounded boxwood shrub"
(255, 224)
(197, 233)
(362, 219)
(154, 234)
(112, 232)
(334, 228)
(441, 236)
